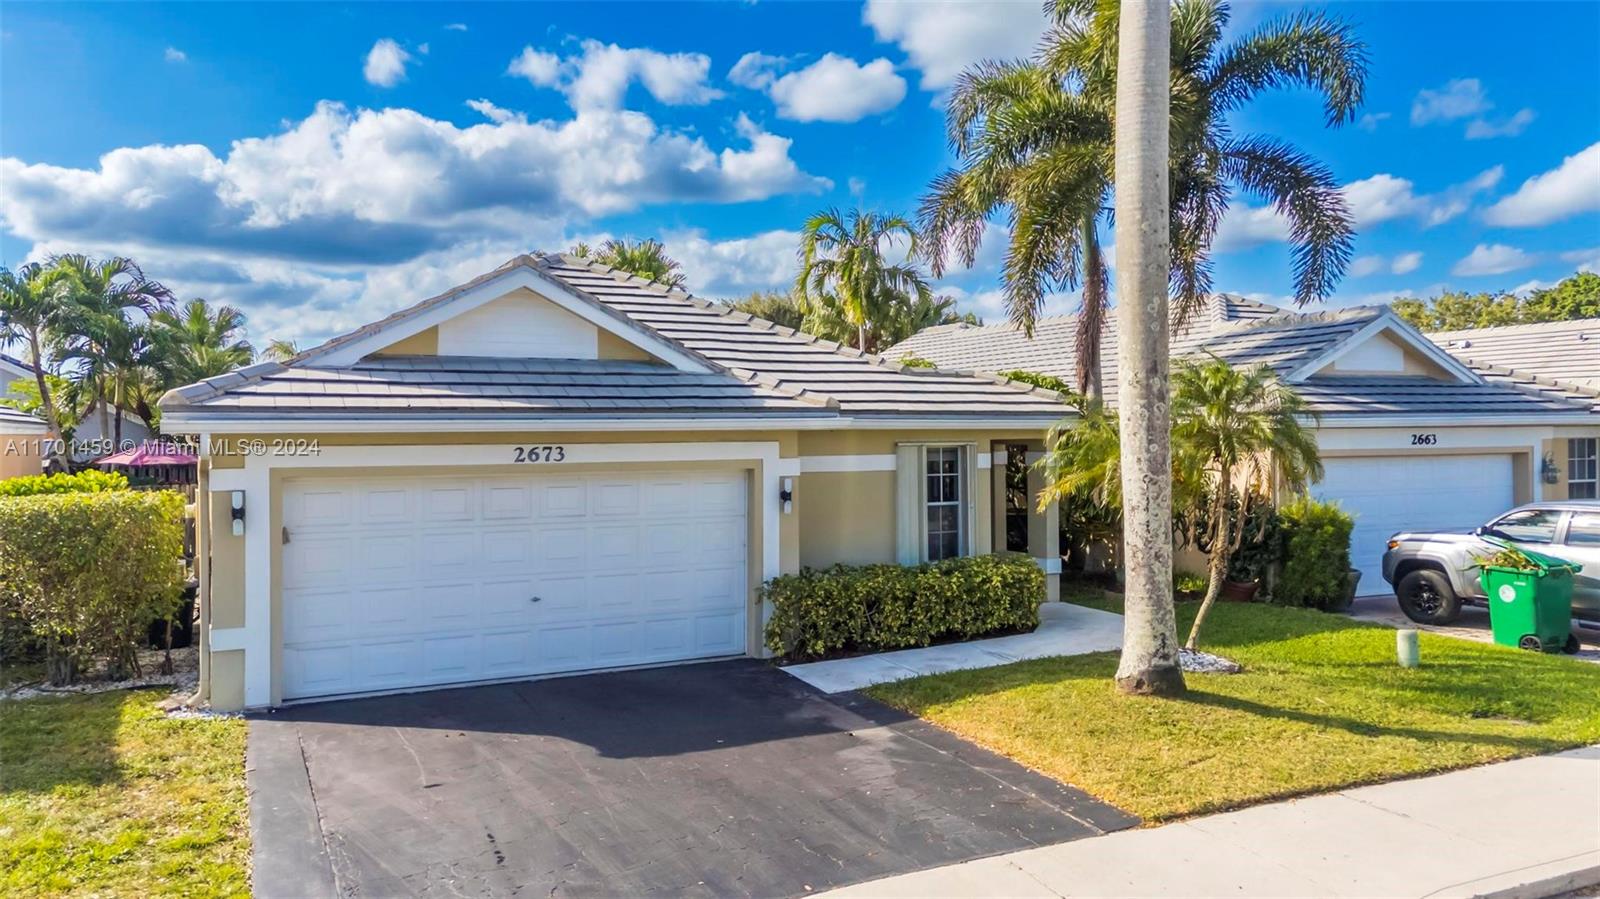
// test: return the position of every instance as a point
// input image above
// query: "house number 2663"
(539, 454)
(1424, 439)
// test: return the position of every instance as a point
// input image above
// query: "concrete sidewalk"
(1064, 629)
(1525, 828)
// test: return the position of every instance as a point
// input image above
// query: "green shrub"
(88, 572)
(89, 480)
(1316, 553)
(873, 607)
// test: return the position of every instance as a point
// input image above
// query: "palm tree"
(778, 308)
(1149, 661)
(843, 270)
(98, 329)
(280, 350)
(1034, 138)
(32, 301)
(647, 258)
(200, 341)
(1244, 426)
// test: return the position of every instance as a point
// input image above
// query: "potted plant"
(1255, 554)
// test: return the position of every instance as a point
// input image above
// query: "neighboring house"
(1412, 437)
(22, 443)
(557, 467)
(95, 435)
(1548, 353)
(13, 369)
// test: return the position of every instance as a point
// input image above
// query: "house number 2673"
(539, 454)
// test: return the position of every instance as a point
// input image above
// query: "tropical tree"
(1574, 297)
(24, 396)
(843, 271)
(1149, 662)
(32, 304)
(1248, 429)
(1034, 140)
(647, 258)
(199, 341)
(778, 308)
(105, 328)
(280, 350)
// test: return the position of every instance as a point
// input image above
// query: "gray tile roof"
(1567, 352)
(757, 370)
(14, 418)
(1257, 335)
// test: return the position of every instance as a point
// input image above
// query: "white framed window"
(944, 504)
(1583, 468)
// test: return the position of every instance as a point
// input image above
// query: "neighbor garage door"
(1386, 494)
(392, 583)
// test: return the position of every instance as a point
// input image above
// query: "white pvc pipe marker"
(1405, 647)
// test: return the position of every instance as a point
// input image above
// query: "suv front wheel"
(1426, 597)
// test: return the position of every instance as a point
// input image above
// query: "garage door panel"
(428, 581)
(1388, 494)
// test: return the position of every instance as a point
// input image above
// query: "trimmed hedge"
(89, 480)
(873, 607)
(88, 572)
(1316, 554)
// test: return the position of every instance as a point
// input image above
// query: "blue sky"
(321, 165)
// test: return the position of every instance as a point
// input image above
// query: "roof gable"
(476, 309)
(1384, 328)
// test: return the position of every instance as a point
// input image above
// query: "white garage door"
(1386, 494)
(408, 582)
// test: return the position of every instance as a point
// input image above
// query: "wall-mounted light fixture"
(786, 494)
(1549, 470)
(238, 513)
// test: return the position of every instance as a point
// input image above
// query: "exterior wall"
(1383, 355)
(614, 348)
(1554, 448)
(20, 454)
(422, 343)
(843, 515)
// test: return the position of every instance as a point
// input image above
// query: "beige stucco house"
(24, 443)
(1415, 434)
(558, 467)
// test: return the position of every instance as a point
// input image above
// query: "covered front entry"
(392, 583)
(1387, 494)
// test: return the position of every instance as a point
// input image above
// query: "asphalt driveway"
(728, 778)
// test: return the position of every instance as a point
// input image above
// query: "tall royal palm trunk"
(1091, 323)
(52, 418)
(1150, 639)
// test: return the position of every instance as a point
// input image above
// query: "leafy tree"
(281, 350)
(105, 329)
(200, 341)
(1245, 427)
(1034, 139)
(33, 301)
(647, 258)
(778, 308)
(1574, 298)
(24, 396)
(844, 275)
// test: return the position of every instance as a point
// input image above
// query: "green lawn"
(1320, 705)
(103, 795)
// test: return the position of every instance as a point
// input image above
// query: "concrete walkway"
(1064, 630)
(1525, 828)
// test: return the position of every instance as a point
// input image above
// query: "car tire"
(1426, 597)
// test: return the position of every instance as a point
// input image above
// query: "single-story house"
(1413, 434)
(558, 467)
(23, 443)
(12, 369)
(95, 434)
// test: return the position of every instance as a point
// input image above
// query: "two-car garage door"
(391, 583)
(1386, 494)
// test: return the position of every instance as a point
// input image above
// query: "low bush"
(873, 607)
(89, 571)
(89, 480)
(1315, 537)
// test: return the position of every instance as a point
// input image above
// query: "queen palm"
(32, 303)
(1034, 140)
(1247, 429)
(844, 272)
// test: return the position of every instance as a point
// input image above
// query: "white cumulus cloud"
(497, 114)
(1587, 260)
(1406, 263)
(1457, 99)
(1361, 266)
(1492, 259)
(173, 54)
(599, 75)
(757, 70)
(729, 269)
(943, 37)
(1480, 129)
(838, 89)
(1569, 189)
(386, 63)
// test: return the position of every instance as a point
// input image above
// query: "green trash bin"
(1531, 607)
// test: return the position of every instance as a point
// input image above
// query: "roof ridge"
(1540, 380)
(1518, 326)
(755, 321)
